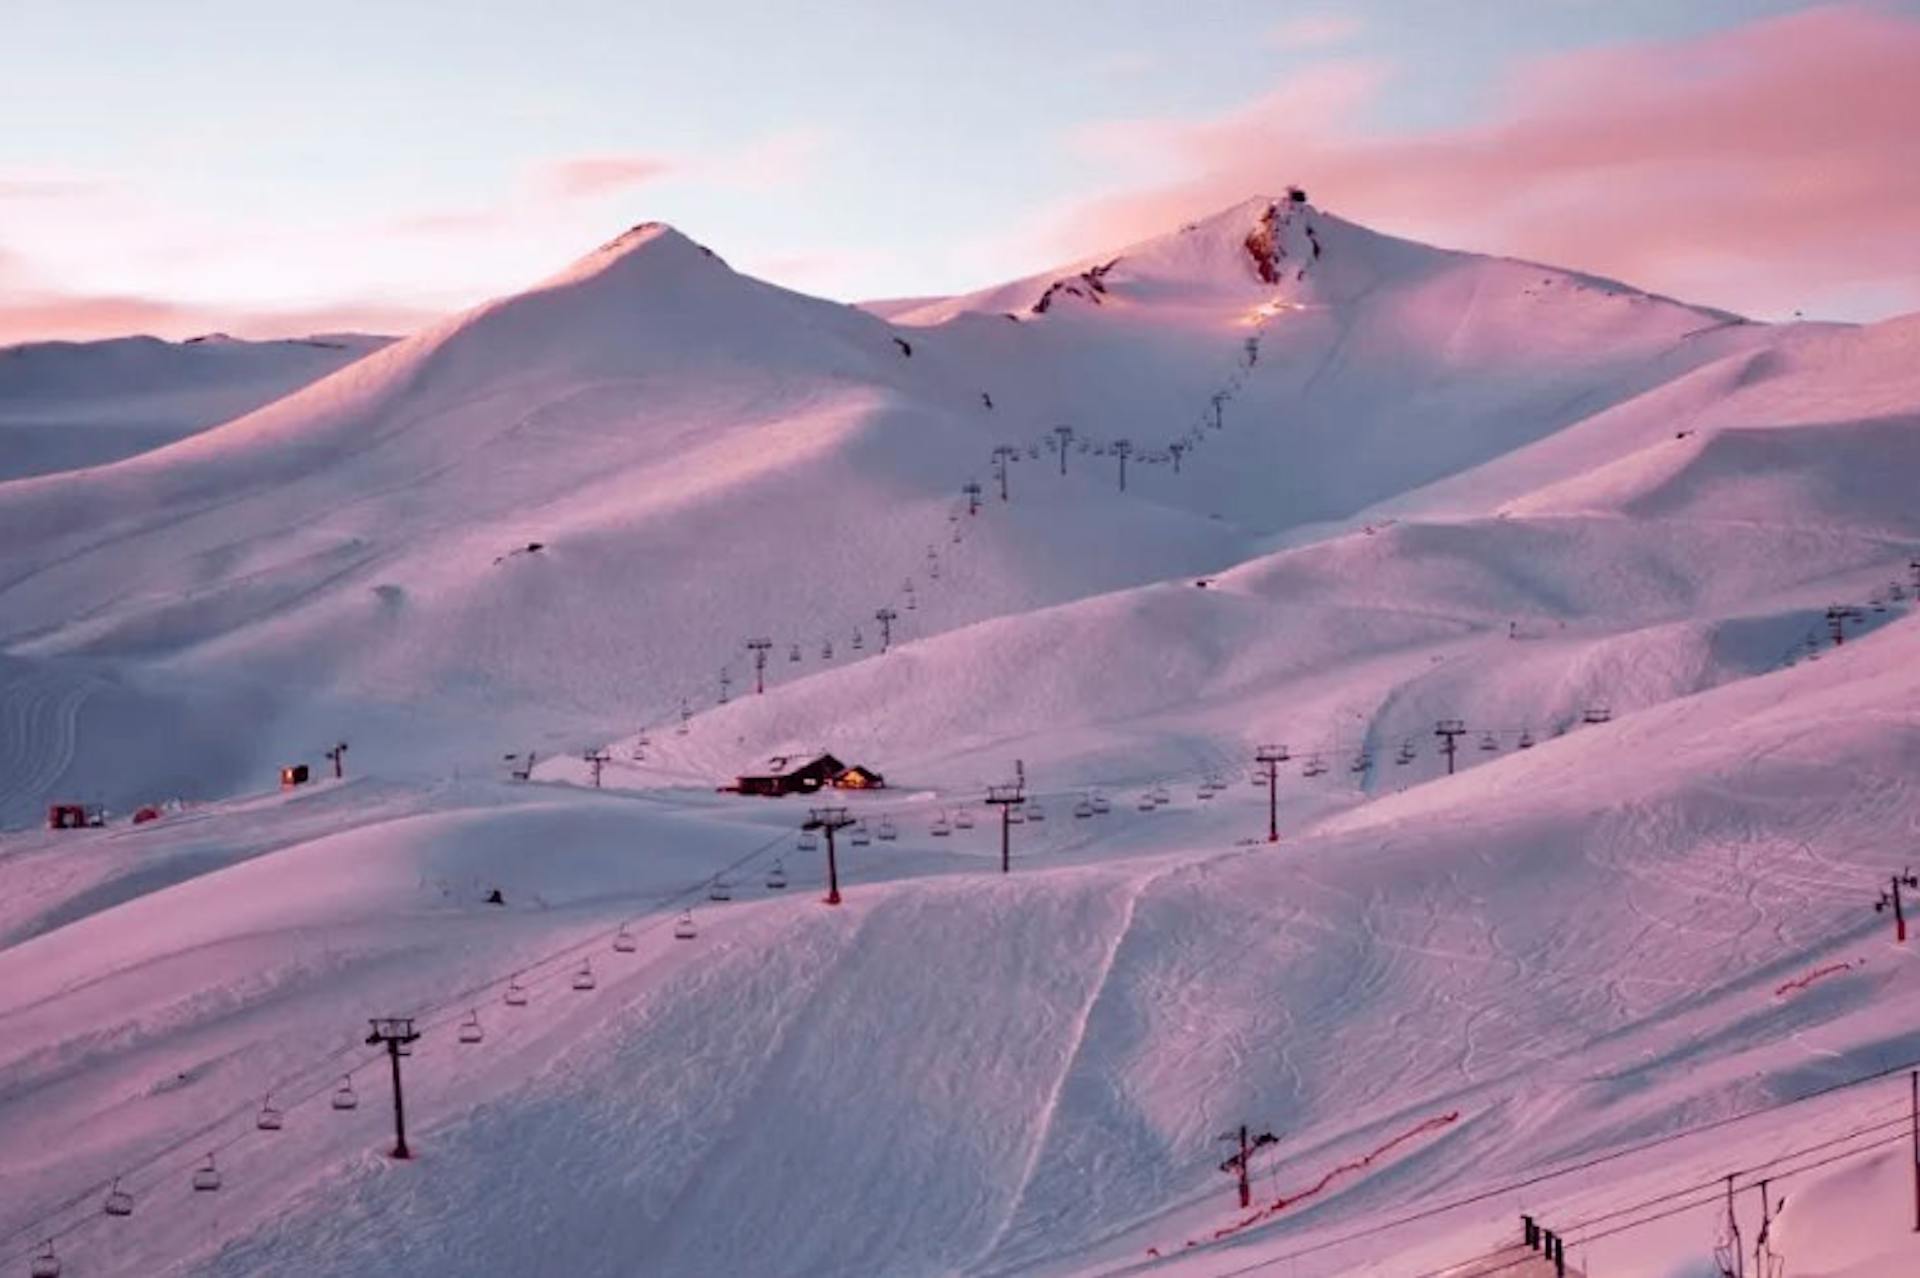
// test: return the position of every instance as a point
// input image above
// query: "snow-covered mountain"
(65, 405)
(1369, 487)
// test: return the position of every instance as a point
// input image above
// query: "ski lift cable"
(1496, 1192)
(135, 1176)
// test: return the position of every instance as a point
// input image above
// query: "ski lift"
(1146, 801)
(1361, 762)
(826, 651)
(118, 1201)
(1035, 812)
(344, 1097)
(516, 993)
(720, 889)
(1015, 815)
(1879, 604)
(963, 820)
(683, 929)
(1101, 806)
(858, 642)
(470, 1031)
(1204, 790)
(941, 829)
(809, 841)
(933, 570)
(887, 832)
(911, 605)
(793, 653)
(1406, 753)
(624, 941)
(1598, 713)
(776, 877)
(583, 979)
(1161, 798)
(1314, 766)
(1489, 742)
(46, 1264)
(862, 837)
(206, 1179)
(269, 1118)
(1082, 810)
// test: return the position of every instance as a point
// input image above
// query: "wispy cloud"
(1315, 31)
(1761, 167)
(590, 176)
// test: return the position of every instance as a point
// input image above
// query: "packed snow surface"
(1620, 947)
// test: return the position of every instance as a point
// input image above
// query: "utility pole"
(972, 489)
(336, 755)
(1237, 1164)
(1176, 448)
(1000, 457)
(1006, 798)
(1065, 436)
(827, 820)
(1890, 900)
(885, 617)
(1121, 447)
(396, 1032)
(759, 648)
(1837, 618)
(1273, 756)
(1915, 1112)
(1449, 731)
(596, 759)
(1219, 399)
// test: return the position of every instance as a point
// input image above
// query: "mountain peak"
(648, 245)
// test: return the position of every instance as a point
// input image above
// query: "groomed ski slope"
(1449, 491)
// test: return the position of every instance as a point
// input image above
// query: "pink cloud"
(1762, 167)
(1314, 30)
(45, 317)
(587, 176)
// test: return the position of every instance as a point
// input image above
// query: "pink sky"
(1766, 166)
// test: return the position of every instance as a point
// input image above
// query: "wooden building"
(786, 775)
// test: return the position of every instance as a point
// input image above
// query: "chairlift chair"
(1406, 753)
(344, 1097)
(826, 651)
(1361, 762)
(1489, 742)
(470, 1031)
(624, 941)
(1526, 740)
(963, 820)
(1083, 809)
(941, 829)
(808, 841)
(1101, 805)
(793, 653)
(584, 979)
(683, 929)
(1161, 797)
(858, 642)
(1204, 790)
(1315, 766)
(1035, 812)
(1016, 815)
(862, 837)
(269, 1119)
(720, 890)
(887, 831)
(776, 877)
(118, 1201)
(516, 995)
(206, 1179)
(1146, 801)
(46, 1264)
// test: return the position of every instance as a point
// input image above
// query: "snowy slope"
(332, 557)
(1441, 487)
(64, 405)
